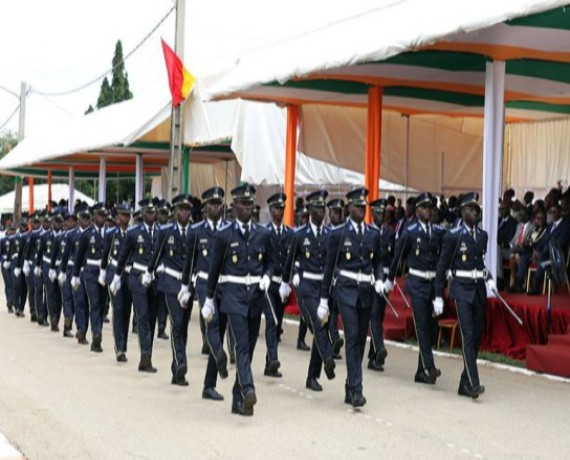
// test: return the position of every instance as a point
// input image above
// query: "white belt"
(46, 259)
(14, 256)
(140, 267)
(57, 263)
(313, 276)
(357, 276)
(472, 274)
(70, 263)
(247, 280)
(114, 263)
(429, 275)
(128, 269)
(160, 268)
(174, 273)
(202, 275)
(93, 262)
(386, 270)
(276, 279)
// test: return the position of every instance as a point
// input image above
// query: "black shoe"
(357, 399)
(237, 408)
(145, 364)
(249, 400)
(222, 364)
(106, 319)
(337, 346)
(33, 318)
(272, 373)
(211, 393)
(422, 377)
(381, 357)
(329, 368)
(181, 373)
(473, 393)
(67, 333)
(96, 345)
(20, 314)
(337, 356)
(10, 309)
(43, 322)
(373, 366)
(346, 394)
(122, 358)
(232, 357)
(313, 384)
(81, 338)
(205, 349)
(181, 382)
(162, 335)
(301, 345)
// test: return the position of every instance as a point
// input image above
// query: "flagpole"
(177, 118)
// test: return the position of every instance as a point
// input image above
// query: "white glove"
(264, 283)
(17, 272)
(62, 278)
(6, 265)
(208, 310)
(284, 291)
(491, 285)
(38, 271)
(323, 311)
(388, 286)
(102, 277)
(182, 294)
(379, 286)
(438, 306)
(146, 279)
(52, 275)
(26, 269)
(296, 280)
(115, 284)
(75, 282)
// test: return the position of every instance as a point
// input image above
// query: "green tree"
(105, 95)
(89, 110)
(8, 140)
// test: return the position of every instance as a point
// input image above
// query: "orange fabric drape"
(290, 163)
(31, 193)
(373, 142)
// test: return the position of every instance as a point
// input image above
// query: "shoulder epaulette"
(412, 227)
(455, 230)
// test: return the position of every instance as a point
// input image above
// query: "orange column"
(31, 193)
(49, 191)
(290, 163)
(372, 162)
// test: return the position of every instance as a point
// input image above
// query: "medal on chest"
(205, 252)
(348, 256)
(141, 250)
(235, 259)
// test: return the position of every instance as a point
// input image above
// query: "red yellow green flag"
(180, 80)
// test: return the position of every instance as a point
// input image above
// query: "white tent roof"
(58, 192)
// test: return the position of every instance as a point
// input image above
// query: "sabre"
(509, 309)
(390, 304)
(403, 296)
(271, 307)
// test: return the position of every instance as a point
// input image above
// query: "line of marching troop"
(238, 269)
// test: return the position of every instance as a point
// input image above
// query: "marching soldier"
(87, 265)
(301, 219)
(377, 354)
(138, 248)
(463, 253)
(28, 250)
(122, 300)
(309, 249)
(352, 254)
(19, 285)
(62, 245)
(170, 251)
(163, 210)
(42, 268)
(32, 251)
(420, 246)
(241, 266)
(199, 249)
(6, 273)
(274, 303)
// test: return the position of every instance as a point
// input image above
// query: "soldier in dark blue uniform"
(309, 249)
(241, 267)
(138, 248)
(463, 253)
(420, 246)
(30, 246)
(43, 264)
(87, 264)
(122, 300)
(6, 272)
(19, 285)
(353, 255)
(163, 213)
(170, 252)
(378, 353)
(31, 254)
(62, 245)
(199, 249)
(274, 304)
(336, 218)
(301, 218)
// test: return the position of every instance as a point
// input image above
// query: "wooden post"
(372, 163)
(290, 163)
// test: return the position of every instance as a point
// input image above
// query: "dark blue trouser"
(321, 349)
(179, 319)
(67, 300)
(161, 309)
(471, 318)
(245, 331)
(424, 322)
(19, 292)
(96, 301)
(271, 310)
(122, 303)
(31, 293)
(355, 321)
(333, 320)
(53, 295)
(144, 303)
(376, 325)
(80, 304)
(39, 297)
(8, 288)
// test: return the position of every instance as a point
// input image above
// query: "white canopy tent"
(58, 192)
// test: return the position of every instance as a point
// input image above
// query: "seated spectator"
(519, 244)
(506, 232)
(528, 198)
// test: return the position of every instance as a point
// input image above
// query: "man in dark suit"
(241, 267)
(353, 255)
(463, 253)
(420, 246)
(507, 229)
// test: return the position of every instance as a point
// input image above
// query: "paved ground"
(58, 400)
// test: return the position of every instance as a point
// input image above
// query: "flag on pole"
(180, 80)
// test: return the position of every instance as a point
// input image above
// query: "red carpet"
(553, 358)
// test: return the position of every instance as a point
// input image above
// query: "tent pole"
(493, 155)
(49, 190)
(138, 179)
(31, 194)
(71, 203)
(185, 170)
(102, 180)
(372, 161)
(290, 161)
